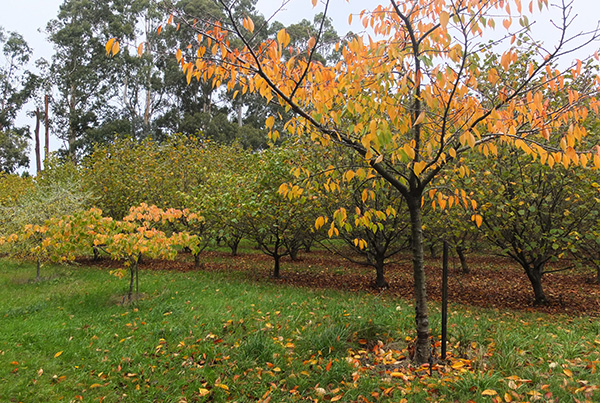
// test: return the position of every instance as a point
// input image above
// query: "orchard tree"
(369, 216)
(407, 98)
(27, 220)
(534, 213)
(276, 223)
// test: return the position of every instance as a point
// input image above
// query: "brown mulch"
(493, 282)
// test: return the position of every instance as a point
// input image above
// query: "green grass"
(215, 337)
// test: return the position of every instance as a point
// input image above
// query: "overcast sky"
(29, 18)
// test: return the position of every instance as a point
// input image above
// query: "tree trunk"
(460, 251)
(307, 243)
(46, 128)
(535, 277)
(38, 156)
(422, 348)
(240, 115)
(295, 248)
(132, 273)
(380, 270)
(432, 251)
(196, 260)
(233, 243)
(137, 281)
(38, 270)
(72, 133)
(276, 267)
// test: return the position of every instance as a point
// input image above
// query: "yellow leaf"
(220, 385)
(489, 392)
(109, 45)
(270, 122)
(507, 398)
(444, 18)
(203, 392)
(312, 42)
(115, 48)
(420, 119)
(58, 354)
(95, 385)
(283, 38)
(568, 372)
(336, 398)
(178, 55)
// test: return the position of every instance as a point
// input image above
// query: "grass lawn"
(200, 336)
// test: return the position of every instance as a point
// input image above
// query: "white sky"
(29, 18)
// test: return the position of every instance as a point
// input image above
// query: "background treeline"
(91, 98)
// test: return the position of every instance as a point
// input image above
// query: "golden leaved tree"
(409, 99)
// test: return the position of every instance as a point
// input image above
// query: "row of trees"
(534, 214)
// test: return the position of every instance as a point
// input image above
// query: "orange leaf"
(140, 50)
(109, 45)
(328, 366)
(314, 3)
(248, 24)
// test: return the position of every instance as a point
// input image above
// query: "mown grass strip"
(212, 337)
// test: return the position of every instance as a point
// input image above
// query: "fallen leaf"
(489, 392)
(58, 354)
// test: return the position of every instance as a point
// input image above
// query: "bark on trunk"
(380, 270)
(432, 251)
(46, 128)
(38, 270)
(233, 244)
(307, 245)
(463, 260)
(197, 260)
(535, 277)
(132, 273)
(276, 267)
(137, 282)
(422, 348)
(38, 155)
(72, 134)
(294, 252)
